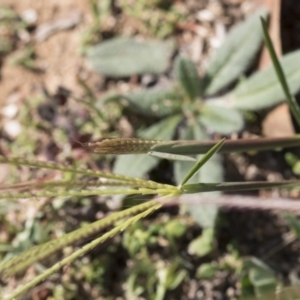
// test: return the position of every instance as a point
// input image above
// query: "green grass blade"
(236, 186)
(238, 202)
(185, 147)
(241, 145)
(18, 263)
(23, 289)
(281, 77)
(171, 156)
(202, 161)
(91, 100)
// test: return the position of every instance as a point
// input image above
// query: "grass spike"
(18, 263)
(56, 267)
(120, 146)
(83, 193)
(61, 183)
(76, 184)
(60, 167)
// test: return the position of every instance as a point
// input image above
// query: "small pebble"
(10, 111)
(12, 128)
(205, 15)
(29, 16)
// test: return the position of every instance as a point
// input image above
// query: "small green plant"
(100, 11)
(82, 182)
(155, 17)
(26, 59)
(194, 107)
(112, 185)
(191, 103)
(124, 56)
(10, 26)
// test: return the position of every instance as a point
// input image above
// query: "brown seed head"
(120, 146)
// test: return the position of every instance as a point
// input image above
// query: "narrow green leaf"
(123, 56)
(187, 75)
(204, 214)
(238, 202)
(233, 58)
(181, 168)
(89, 100)
(212, 171)
(193, 147)
(263, 89)
(291, 100)
(155, 102)
(171, 156)
(202, 161)
(220, 119)
(180, 147)
(236, 186)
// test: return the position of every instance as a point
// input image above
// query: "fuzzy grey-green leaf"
(263, 89)
(155, 102)
(136, 165)
(163, 130)
(233, 58)
(123, 56)
(187, 75)
(220, 119)
(261, 276)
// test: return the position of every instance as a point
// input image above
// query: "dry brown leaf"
(278, 123)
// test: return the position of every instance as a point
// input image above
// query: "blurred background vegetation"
(76, 71)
